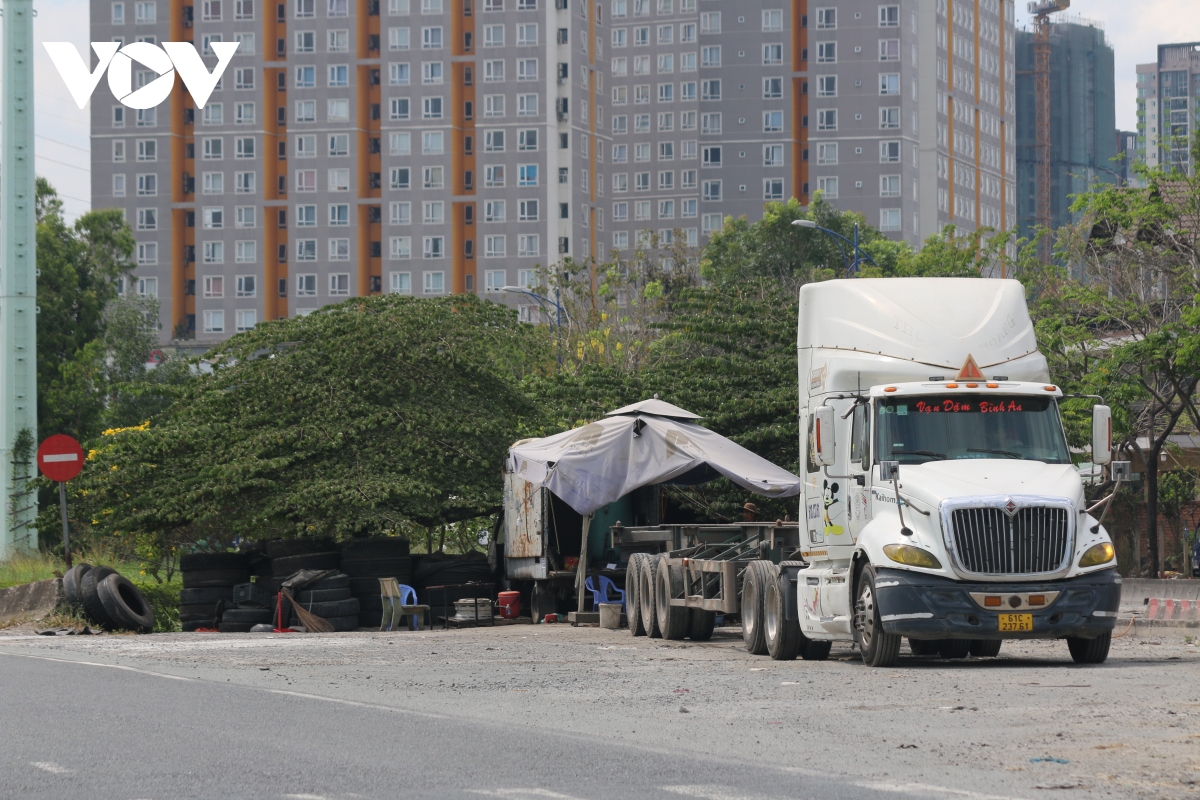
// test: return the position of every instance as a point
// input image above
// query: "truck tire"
(986, 648)
(954, 648)
(126, 606)
(813, 649)
(633, 608)
(672, 619)
(924, 647)
(649, 614)
(782, 634)
(72, 580)
(90, 598)
(878, 647)
(701, 624)
(754, 581)
(1090, 651)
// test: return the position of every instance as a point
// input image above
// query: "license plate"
(1015, 623)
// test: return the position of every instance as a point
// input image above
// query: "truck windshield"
(914, 430)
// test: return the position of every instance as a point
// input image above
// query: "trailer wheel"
(672, 619)
(701, 624)
(954, 648)
(754, 581)
(648, 575)
(924, 647)
(1090, 651)
(986, 648)
(633, 587)
(813, 650)
(782, 634)
(878, 647)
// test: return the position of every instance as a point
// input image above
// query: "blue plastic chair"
(393, 599)
(604, 593)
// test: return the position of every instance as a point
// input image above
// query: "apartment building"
(433, 146)
(1167, 93)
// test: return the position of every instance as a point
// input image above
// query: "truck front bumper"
(931, 607)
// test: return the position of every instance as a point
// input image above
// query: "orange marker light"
(1050, 388)
(991, 602)
(951, 385)
(993, 386)
(1037, 600)
(972, 385)
(890, 389)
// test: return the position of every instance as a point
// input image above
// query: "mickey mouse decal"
(830, 498)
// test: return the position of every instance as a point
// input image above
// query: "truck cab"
(942, 507)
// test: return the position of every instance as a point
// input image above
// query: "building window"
(214, 286)
(400, 282)
(772, 54)
(826, 52)
(400, 247)
(339, 180)
(829, 186)
(145, 13)
(213, 218)
(889, 16)
(827, 119)
(434, 282)
(494, 246)
(147, 287)
(889, 152)
(147, 253)
(399, 108)
(889, 118)
(339, 284)
(400, 213)
(214, 253)
(246, 319)
(399, 178)
(528, 245)
(889, 185)
(306, 285)
(398, 39)
(772, 19)
(306, 216)
(306, 250)
(398, 74)
(889, 49)
(773, 155)
(434, 247)
(711, 191)
(245, 217)
(826, 18)
(889, 219)
(339, 249)
(527, 175)
(214, 321)
(889, 83)
(772, 121)
(827, 153)
(247, 286)
(528, 210)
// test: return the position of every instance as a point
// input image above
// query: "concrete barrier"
(1135, 591)
(32, 600)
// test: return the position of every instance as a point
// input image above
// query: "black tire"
(1090, 651)
(344, 624)
(782, 634)
(399, 567)
(646, 591)
(288, 565)
(125, 604)
(211, 578)
(367, 587)
(323, 596)
(374, 548)
(332, 582)
(701, 624)
(195, 625)
(72, 581)
(668, 585)
(199, 608)
(754, 581)
(191, 597)
(194, 562)
(281, 548)
(198, 616)
(924, 647)
(954, 648)
(235, 627)
(90, 599)
(633, 609)
(254, 616)
(542, 602)
(878, 647)
(372, 620)
(334, 608)
(813, 649)
(986, 648)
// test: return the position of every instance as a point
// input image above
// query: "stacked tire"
(208, 581)
(110, 600)
(283, 557)
(330, 599)
(365, 561)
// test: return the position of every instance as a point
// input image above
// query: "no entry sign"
(60, 458)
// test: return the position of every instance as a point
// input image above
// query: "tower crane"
(1041, 11)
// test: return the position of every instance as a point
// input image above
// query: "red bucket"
(510, 605)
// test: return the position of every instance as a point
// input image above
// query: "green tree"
(373, 415)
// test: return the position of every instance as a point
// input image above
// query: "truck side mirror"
(889, 471)
(823, 435)
(1101, 435)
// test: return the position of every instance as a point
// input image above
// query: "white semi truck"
(941, 504)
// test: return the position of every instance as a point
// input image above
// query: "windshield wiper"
(1007, 453)
(929, 453)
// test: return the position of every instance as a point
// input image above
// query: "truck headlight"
(1097, 554)
(912, 556)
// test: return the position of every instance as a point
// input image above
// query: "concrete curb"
(31, 600)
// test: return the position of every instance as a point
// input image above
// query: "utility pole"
(18, 285)
(1041, 70)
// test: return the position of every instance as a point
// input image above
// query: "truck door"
(524, 526)
(858, 492)
(812, 511)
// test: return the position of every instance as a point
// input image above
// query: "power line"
(63, 163)
(64, 144)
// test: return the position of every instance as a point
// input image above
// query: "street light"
(543, 300)
(859, 255)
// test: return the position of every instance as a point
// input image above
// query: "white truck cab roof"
(975, 387)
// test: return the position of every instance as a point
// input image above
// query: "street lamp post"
(859, 255)
(542, 300)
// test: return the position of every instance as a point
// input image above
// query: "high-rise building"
(1082, 118)
(1126, 151)
(1165, 124)
(434, 146)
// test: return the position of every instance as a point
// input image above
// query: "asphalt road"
(554, 712)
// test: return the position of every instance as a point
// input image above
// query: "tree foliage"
(362, 417)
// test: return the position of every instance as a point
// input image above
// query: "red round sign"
(60, 458)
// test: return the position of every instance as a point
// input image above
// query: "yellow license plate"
(1015, 623)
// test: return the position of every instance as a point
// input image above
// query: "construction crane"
(1041, 11)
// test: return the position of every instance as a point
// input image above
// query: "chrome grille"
(1033, 540)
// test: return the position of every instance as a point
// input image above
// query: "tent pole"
(581, 575)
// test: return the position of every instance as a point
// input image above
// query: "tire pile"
(330, 599)
(108, 599)
(440, 569)
(365, 561)
(208, 581)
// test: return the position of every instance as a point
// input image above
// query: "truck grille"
(990, 542)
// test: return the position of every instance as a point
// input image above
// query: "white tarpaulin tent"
(640, 445)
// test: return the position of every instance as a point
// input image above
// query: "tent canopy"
(647, 443)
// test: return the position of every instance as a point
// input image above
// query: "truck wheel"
(633, 608)
(701, 624)
(813, 650)
(878, 647)
(924, 647)
(783, 634)
(954, 648)
(672, 619)
(648, 575)
(986, 648)
(754, 581)
(1090, 651)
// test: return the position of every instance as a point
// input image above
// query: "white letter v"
(74, 72)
